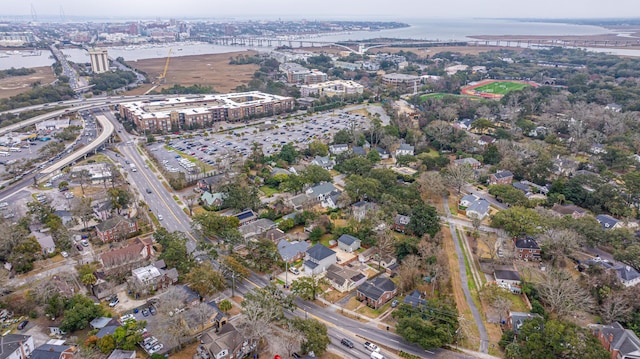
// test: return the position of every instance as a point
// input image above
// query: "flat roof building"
(332, 88)
(99, 60)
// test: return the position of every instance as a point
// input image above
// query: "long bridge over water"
(361, 47)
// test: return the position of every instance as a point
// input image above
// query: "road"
(484, 338)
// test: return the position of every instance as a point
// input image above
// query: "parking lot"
(188, 155)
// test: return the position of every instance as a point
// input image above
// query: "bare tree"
(190, 200)
(83, 177)
(286, 340)
(386, 241)
(457, 176)
(559, 243)
(431, 184)
(409, 272)
(83, 210)
(615, 308)
(563, 295)
(497, 299)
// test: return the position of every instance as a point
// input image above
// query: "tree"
(63, 184)
(307, 287)
(457, 176)
(120, 198)
(80, 311)
(240, 196)
(205, 280)
(190, 200)
(106, 344)
(263, 306)
(509, 195)
(374, 156)
(212, 225)
(83, 210)
(562, 294)
(225, 305)
(317, 148)
(83, 177)
(558, 243)
(315, 334)
(424, 220)
(288, 153)
(233, 270)
(315, 174)
(431, 184)
(88, 279)
(359, 188)
(342, 137)
(174, 249)
(129, 334)
(616, 307)
(356, 165)
(491, 155)
(630, 255)
(517, 221)
(263, 255)
(431, 325)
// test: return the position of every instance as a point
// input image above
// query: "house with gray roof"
(478, 209)
(501, 177)
(415, 299)
(470, 161)
(628, 276)
(292, 251)
(516, 319)
(405, 149)
(53, 351)
(569, 210)
(608, 222)
(318, 194)
(16, 346)
(122, 354)
(348, 243)
(358, 151)
(400, 223)
(384, 154)
(318, 259)
(254, 229)
(620, 342)
(376, 292)
(344, 279)
(325, 162)
(338, 149)
(359, 209)
(280, 171)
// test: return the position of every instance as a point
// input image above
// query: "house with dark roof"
(501, 177)
(274, 235)
(16, 346)
(120, 260)
(109, 329)
(358, 151)
(318, 259)
(515, 320)
(620, 342)
(52, 351)
(400, 223)
(116, 228)
(256, 228)
(508, 279)
(367, 254)
(292, 251)
(325, 162)
(415, 299)
(486, 140)
(384, 154)
(318, 194)
(608, 222)
(527, 248)
(344, 279)
(470, 161)
(348, 243)
(569, 210)
(246, 216)
(376, 292)
(359, 209)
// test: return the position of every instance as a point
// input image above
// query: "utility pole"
(233, 284)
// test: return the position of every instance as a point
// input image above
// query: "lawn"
(501, 88)
(269, 191)
(439, 95)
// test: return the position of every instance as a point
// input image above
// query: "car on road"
(114, 302)
(149, 190)
(23, 324)
(372, 347)
(160, 218)
(346, 342)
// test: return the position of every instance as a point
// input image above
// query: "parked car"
(294, 270)
(156, 348)
(145, 312)
(347, 343)
(84, 243)
(23, 324)
(114, 302)
(64, 254)
(372, 347)
(126, 317)
(394, 303)
(79, 248)
(152, 310)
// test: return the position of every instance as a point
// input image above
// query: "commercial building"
(402, 81)
(189, 112)
(332, 88)
(99, 60)
(297, 73)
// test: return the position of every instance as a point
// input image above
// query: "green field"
(501, 88)
(439, 95)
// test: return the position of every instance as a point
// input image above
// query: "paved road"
(484, 338)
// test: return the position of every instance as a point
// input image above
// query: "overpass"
(107, 131)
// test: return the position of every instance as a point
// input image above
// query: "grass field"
(439, 95)
(501, 88)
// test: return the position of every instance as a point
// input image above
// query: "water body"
(18, 60)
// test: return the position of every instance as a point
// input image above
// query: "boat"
(32, 53)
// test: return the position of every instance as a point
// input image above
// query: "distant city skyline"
(328, 9)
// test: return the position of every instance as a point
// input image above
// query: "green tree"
(225, 305)
(212, 225)
(342, 137)
(517, 220)
(80, 311)
(106, 344)
(174, 249)
(358, 188)
(315, 334)
(205, 280)
(307, 287)
(356, 165)
(374, 156)
(240, 196)
(263, 255)
(405, 160)
(120, 198)
(88, 279)
(509, 195)
(491, 155)
(431, 325)
(424, 220)
(288, 153)
(63, 184)
(128, 335)
(316, 174)
(317, 148)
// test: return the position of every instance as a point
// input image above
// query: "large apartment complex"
(332, 88)
(189, 112)
(297, 73)
(99, 60)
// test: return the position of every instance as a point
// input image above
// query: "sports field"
(495, 89)
(439, 95)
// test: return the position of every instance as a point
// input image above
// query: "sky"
(325, 9)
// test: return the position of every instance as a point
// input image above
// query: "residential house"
(317, 194)
(376, 292)
(246, 216)
(338, 149)
(212, 199)
(628, 276)
(274, 235)
(226, 343)
(475, 164)
(53, 351)
(463, 124)
(122, 354)
(501, 177)
(101, 322)
(569, 210)
(486, 140)
(415, 299)
(564, 166)
(527, 248)
(358, 151)
(43, 236)
(466, 201)
(292, 251)
(400, 223)
(367, 254)
(478, 209)
(318, 258)
(209, 183)
(102, 209)
(597, 148)
(348, 243)
(344, 279)
(151, 278)
(359, 209)
(608, 222)
(16, 346)
(405, 149)
(332, 200)
(325, 162)
(508, 279)
(384, 154)
(124, 259)
(116, 228)
(613, 107)
(620, 342)
(515, 320)
(280, 171)
(196, 323)
(97, 173)
(65, 216)
(256, 228)
(188, 297)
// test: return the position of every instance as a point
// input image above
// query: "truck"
(376, 355)
(133, 167)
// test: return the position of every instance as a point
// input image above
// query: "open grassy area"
(269, 191)
(439, 95)
(502, 87)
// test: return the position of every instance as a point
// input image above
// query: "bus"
(4, 154)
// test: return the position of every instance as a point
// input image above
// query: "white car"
(126, 317)
(160, 218)
(64, 254)
(156, 348)
(372, 347)
(294, 270)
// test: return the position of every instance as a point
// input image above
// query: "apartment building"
(332, 88)
(99, 60)
(401, 80)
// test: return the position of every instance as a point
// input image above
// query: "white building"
(99, 60)
(15, 346)
(332, 88)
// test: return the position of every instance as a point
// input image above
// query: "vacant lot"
(208, 70)
(15, 85)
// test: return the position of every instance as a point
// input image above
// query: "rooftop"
(319, 252)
